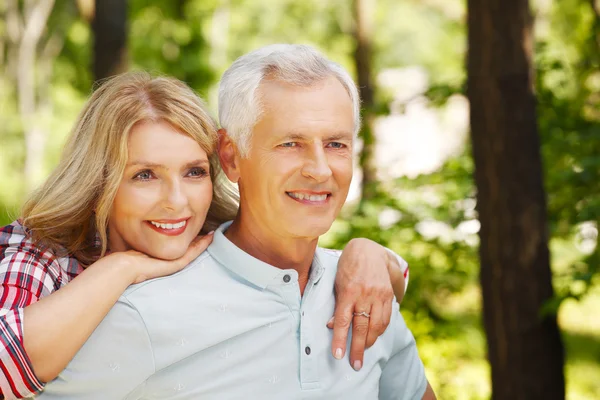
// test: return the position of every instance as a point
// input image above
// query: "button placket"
(285, 285)
(309, 366)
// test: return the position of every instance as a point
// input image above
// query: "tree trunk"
(35, 17)
(110, 38)
(218, 39)
(363, 11)
(524, 347)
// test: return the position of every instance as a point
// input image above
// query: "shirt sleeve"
(114, 363)
(403, 377)
(403, 267)
(23, 279)
(17, 379)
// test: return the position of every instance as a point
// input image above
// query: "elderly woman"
(136, 185)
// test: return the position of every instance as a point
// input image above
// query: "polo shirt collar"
(250, 268)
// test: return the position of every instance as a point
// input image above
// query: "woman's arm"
(368, 277)
(54, 328)
(398, 271)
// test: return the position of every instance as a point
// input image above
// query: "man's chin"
(309, 229)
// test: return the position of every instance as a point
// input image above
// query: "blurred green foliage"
(195, 40)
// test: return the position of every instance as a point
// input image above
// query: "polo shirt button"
(307, 350)
(286, 278)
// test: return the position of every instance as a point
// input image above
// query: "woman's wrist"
(120, 266)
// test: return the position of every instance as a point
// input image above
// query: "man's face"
(298, 172)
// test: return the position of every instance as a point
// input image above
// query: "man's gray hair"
(239, 107)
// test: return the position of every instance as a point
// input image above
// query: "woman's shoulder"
(12, 238)
(20, 256)
(15, 228)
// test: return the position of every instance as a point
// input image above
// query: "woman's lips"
(171, 228)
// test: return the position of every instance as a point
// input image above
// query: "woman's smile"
(169, 227)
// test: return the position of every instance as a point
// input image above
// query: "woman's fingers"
(376, 324)
(341, 324)
(360, 330)
(154, 268)
(198, 245)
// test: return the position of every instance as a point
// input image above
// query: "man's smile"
(305, 197)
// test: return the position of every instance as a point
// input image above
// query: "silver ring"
(362, 314)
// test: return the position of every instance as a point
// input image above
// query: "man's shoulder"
(335, 253)
(329, 255)
(328, 260)
(156, 309)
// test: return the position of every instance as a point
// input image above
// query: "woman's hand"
(143, 267)
(367, 277)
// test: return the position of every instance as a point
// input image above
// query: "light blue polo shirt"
(230, 326)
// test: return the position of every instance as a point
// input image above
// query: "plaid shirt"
(26, 275)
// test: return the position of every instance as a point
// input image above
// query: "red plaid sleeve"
(403, 267)
(26, 274)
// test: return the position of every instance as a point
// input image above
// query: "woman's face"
(164, 195)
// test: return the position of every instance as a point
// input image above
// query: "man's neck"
(283, 253)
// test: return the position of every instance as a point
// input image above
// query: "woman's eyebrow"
(199, 162)
(149, 164)
(142, 163)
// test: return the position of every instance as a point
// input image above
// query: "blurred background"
(414, 189)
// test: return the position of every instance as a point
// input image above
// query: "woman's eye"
(143, 175)
(289, 144)
(197, 172)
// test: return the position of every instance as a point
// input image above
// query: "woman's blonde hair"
(71, 209)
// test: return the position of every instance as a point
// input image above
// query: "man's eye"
(336, 145)
(289, 144)
(197, 172)
(143, 175)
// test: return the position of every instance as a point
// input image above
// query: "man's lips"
(310, 197)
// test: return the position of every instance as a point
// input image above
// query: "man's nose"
(316, 165)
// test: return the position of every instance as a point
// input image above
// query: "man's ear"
(228, 156)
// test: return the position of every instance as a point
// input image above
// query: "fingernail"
(210, 233)
(330, 321)
(338, 354)
(357, 365)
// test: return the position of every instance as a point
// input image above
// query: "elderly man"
(247, 319)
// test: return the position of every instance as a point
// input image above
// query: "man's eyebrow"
(293, 136)
(339, 136)
(332, 137)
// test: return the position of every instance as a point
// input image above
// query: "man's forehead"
(291, 111)
(287, 100)
(274, 88)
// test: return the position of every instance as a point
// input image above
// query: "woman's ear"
(228, 156)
